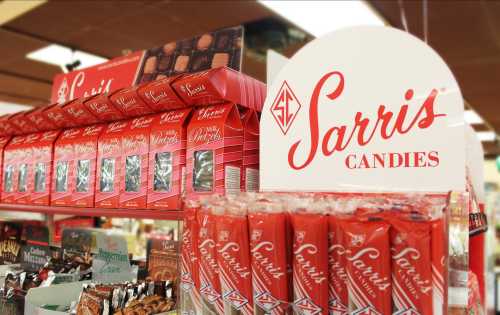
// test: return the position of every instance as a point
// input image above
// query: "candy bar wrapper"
(135, 149)
(221, 85)
(438, 264)
(214, 151)
(233, 257)
(167, 160)
(109, 165)
(101, 107)
(338, 298)
(210, 286)
(310, 263)
(64, 170)
(269, 262)
(42, 167)
(85, 150)
(411, 266)
(368, 263)
(129, 103)
(190, 300)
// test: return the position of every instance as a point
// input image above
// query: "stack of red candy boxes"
(313, 254)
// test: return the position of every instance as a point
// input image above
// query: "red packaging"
(101, 107)
(210, 287)
(79, 113)
(221, 85)
(129, 103)
(310, 263)
(269, 262)
(438, 247)
(135, 149)
(109, 165)
(338, 298)
(233, 257)
(250, 168)
(190, 284)
(25, 176)
(42, 157)
(64, 167)
(22, 123)
(214, 151)
(368, 262)
(160, 96)
(36, 117)
(7, 128)
(411, 266)
(55, 114)
(4, 140)
(85, 155)
(12, 158)
(167, 160)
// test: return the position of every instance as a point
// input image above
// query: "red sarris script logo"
(363, 129)
(285, 107)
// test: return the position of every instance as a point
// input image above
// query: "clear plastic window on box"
(133, 173)
(203, 172)
(23, 178)
(62, 176)
(82, 175)
(40, 177)
(163, 171)
(107, 181)
(8, 182)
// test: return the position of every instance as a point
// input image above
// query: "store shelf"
(97, 212)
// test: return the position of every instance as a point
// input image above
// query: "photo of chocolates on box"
(211, 50)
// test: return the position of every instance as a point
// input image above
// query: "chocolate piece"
(185, 45)
(161, 76)
(181, 63)
(204, 42)
(146, 77)
(169, 49)
(165, 63)
(224, 39)
(150, 64)
(220, 60)
(200, 61)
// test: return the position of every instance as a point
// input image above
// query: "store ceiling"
(465, 33)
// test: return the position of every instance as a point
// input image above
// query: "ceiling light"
(486, 135)
(61, 56)
(472, 118)
(9, 108)
(321, 17)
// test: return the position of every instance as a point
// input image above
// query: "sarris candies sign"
(363, 109)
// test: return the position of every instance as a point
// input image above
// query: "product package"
(79, 113)
(129, 103)
(160, 96)
(167, 160)
(36, 117)
(214, 151)
(109, 165)
(85, 155)
(12, 157)
(101, 107)
(221, 85)
(42, 158)
(250, 169)
(7, 128)
(190, 300)
(22, 123)
(55, 114)
(233, 257)
(134, 161)
(338, 298)
(64, 167)
(4, 140)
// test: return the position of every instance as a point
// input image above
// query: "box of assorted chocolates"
(221, 85)
(12, 157)
(214, 151)
(109, 165)
(134, 162)
(167, 160)
(42, 157)
(85, 152)
(63, 174)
